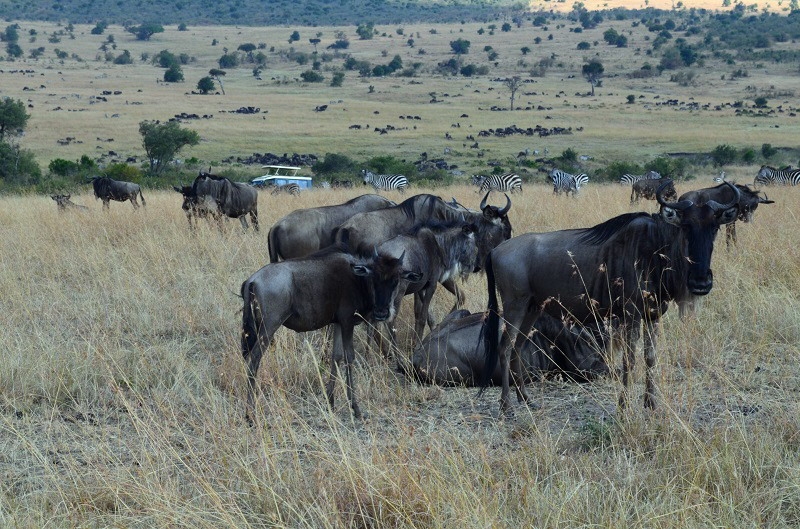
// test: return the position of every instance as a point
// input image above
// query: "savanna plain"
(122, 384)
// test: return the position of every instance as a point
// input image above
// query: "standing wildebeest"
(367, 230)
(63, 202)
(305, 231)
(646, 188)
(749, 199)
(625, 270)
(452, 353)
(107, 190)
(329, 287)
(217, 196)
(439, 253)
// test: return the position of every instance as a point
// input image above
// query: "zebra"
(630, 179)
(290, 188)
(566, 182)
(508, 182)
(385, 181)
(771, 176)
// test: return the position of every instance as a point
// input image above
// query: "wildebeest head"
(749, 201)
(188, 200)
(699, 224)
(493, 228)
(384, 274)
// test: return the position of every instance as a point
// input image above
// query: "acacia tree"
(162, 141)
(593, 71)
(513, 84)
(12, 116)
(217, 75)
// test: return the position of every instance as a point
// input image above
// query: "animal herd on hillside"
(344, 264)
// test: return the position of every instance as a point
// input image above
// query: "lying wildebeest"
(452, 353)
(289, 189)
(367, 230)
(304, 294)
(749, 199)
(63, 202)
(107, 190)
(439, 252)
(305, 231)
(625, 270)
(647, 187)
(217, 196)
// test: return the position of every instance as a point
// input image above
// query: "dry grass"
(62, 96)
(122, 390)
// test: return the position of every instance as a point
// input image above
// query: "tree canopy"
(162, 141)
(12, 116)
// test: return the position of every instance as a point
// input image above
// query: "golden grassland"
(63, 96)
(122, 392)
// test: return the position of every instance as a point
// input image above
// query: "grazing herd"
(556, 300)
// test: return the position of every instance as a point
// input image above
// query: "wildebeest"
(289, 189)
(63, 202)
(439, 253)
(749, 199)
(624, 270)
(646, 188)
(367, 230)
(305, 294)
(452, 353)
(107, 190)
(217, 196)
(305, 231)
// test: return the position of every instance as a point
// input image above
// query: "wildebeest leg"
(515, 315)
(516, 359)
(134, 202)
(422, 315)
(651, 328)
(343, 351)
(630, 335)
(254, 220)
(105, 203)
(243, 221)
(451, 286)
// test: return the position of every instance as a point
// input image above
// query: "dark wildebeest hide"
(305, 231)
(107, 190)
(625, 271)
(64, 203)
(218, 197)
(366, 231)
(452, 354)
(749, 199)
(646, 188)
(439, 252)
(304, 294)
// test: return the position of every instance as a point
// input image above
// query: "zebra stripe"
(291, 188)
(385, 181)
(770, 176)
(630, 179)
(509, 182)
(566, 182)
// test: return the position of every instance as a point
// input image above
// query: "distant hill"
(258, 13)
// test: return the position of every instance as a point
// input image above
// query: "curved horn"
(504, 211)
(483, 202)
(683, 204)
(716, 206)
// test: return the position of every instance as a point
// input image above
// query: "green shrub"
(768, 151)
(724, 155)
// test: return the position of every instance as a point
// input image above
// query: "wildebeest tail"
(491, 327)
(142, 197)
(273, 246)
(251, 318)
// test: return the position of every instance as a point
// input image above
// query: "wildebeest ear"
(729, 215)
(412, 276)
(670, 215)
(361, 270)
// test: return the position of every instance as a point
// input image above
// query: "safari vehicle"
(278, 175)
